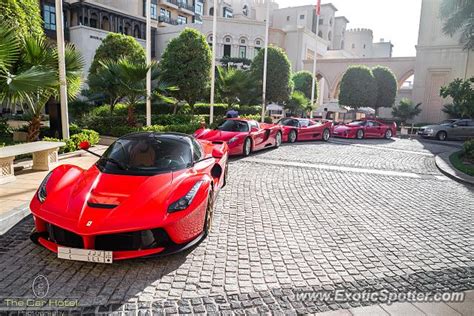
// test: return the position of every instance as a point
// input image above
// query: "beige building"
(439, 60)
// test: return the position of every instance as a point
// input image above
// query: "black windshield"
(147, 154)
(233, 126)
(288, 122)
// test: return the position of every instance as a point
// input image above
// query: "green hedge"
(468, 149)
(72, 144)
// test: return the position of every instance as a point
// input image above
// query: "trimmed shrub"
(468, 149)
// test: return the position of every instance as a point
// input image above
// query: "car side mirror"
(216, 153)
(454, 125)
(84, 145)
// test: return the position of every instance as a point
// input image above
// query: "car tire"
(247, 150)
(278, 140)
(326, 134)
(292, 136)
(360, 134)
(209, 213)
(388, 134)
(442, 136)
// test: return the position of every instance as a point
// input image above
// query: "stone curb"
(12, 217)
(446, 167)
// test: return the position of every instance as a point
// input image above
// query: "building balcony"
(163, 20)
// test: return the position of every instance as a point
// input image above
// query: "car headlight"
(429, 130)
(41, 194)
(186, 200)
(232, 140)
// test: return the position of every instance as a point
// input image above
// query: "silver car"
(452, 129)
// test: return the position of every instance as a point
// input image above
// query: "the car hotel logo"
(89, 224)
(40, 286)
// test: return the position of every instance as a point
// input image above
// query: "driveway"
(355, 215)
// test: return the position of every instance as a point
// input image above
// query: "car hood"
(98, 202)
(217, 135)
(433, 126)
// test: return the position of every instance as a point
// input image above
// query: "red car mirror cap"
(85, 145)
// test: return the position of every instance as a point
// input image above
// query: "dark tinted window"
(253, 124)
(197, 150)
(461, 123)
(357, 123)
(233, 126)
(147, 153)
(288, 122)
(304, 122)
(470, 123)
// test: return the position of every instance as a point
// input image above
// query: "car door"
(314, 130)
(258, 135)
(304, 131)
(459, 129)
(372, 129)
(470, 129)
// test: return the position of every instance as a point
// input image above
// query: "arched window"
(105, 23)
(330, 36)
(320, 34)
(93, 20)
(342, 44)
(136, 31)
(353, 46)
(127, 28)
(211, 11)
(245, 10)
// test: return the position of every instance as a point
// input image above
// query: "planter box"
(20, 136)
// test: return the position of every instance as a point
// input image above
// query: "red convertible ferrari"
(304, 129)
(365, 129)
(243, 136)
(148, 194)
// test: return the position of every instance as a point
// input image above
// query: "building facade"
(439, 60)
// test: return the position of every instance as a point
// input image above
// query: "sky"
(393, 20)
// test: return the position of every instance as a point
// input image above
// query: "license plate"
(89, 255)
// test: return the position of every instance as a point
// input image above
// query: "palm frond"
(9, 47)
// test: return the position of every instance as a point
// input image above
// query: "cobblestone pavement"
(286, 224)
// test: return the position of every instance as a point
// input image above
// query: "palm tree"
(232, 85)
(406, 110)
(458, 16)
(130, 78)
(29, 74)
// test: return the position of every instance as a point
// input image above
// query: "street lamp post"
(62, 69)
(213, 62)
(148, 62)
(313, 81)
(265, 57)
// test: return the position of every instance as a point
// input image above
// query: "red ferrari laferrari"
(148, 194)
(365, 129)
(304, 129)
(243, 136)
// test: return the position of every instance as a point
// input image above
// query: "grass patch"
(458, 162)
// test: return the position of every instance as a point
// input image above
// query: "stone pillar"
(45, 160)
(6, 170)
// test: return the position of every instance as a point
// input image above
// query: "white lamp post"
(213, 62)
(62, 69)
(265, 57)
(313, 81)
(148, 62)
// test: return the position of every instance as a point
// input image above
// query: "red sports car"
(243, 136)
(304, 129)
(149, 193)
(365, 129)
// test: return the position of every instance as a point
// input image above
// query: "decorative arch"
(258, 42)
(243, 40)
(227, 39)
(404, 77)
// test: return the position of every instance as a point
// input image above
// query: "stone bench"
(45, 155)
